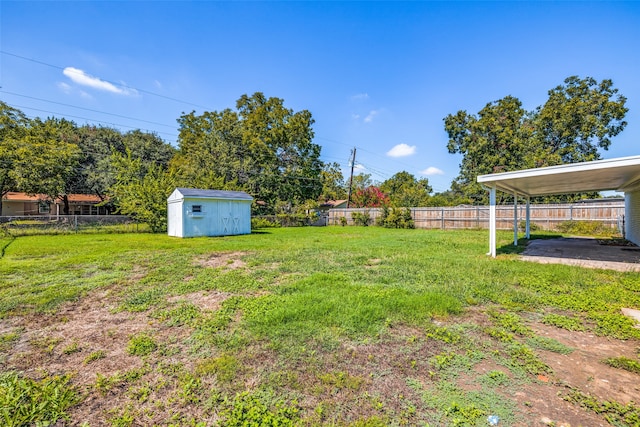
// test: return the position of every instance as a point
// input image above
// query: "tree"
(44, 161)
(496, 140)
(262, 148)
(405, 190)
(369, 197)
(13, 127)
(285, 163)
(577, 119)
(141, 190)
(332, 183)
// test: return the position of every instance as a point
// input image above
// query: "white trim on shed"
(621, 174)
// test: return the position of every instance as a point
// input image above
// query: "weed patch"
(615, 413)
(625, 363)
(141, 345)
(29, 402)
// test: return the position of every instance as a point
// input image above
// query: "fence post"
(442, 218)
(75, 220)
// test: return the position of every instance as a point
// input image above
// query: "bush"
(361, 218)
(532, 226)
(396, 218)
(586, 228)
(343, 221)
(257, 222)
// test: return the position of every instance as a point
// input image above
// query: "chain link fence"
(69, 224)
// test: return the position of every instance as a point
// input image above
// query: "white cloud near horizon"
(402, 150)
(360, 97)
(80, 77)
(432, 170)
(371, 115)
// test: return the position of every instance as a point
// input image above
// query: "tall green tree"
(13, 128)
(332, 183)
(141, 190)
(497, 139)
(405, 190)
(579, 117)
(262, 147)
(45, 161)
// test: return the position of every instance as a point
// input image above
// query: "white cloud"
(359, 168)
(80, 77)
(360, 97)
(371, 115)
(432, 170)
(355, 116)
(402, 150)
(64, 87)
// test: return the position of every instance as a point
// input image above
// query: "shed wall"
(174, 218)
(218, 217)
(632, 216)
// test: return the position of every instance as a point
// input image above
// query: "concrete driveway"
(583, 252)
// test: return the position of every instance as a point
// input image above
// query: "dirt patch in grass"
(584, 368)
(205, 300)
(335, 382)
(228, 261)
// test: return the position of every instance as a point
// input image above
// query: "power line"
(86, 109)
(93, 120)
(108, 81)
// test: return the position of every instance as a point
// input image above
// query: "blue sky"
(379, 76)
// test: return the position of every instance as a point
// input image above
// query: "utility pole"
(353, 163)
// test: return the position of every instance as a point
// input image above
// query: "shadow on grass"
(510, 248)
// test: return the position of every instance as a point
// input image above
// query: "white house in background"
(196, 213)
(621, 174)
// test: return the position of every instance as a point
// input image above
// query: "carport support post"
(515, 219)
(492, 222)
(527, 230)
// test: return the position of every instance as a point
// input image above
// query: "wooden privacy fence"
(545, 217)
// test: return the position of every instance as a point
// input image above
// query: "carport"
(621, 174)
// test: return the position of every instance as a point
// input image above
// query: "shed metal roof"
(214, 194)
(621, 174)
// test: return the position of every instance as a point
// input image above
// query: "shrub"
(257, 222)
(343, 221)
(396, 218)
(361, 218)
(586, 228)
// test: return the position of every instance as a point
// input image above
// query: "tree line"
(267, 150)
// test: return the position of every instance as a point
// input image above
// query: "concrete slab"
(633, 313)
(583, 252)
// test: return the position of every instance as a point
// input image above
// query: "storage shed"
(195, 213)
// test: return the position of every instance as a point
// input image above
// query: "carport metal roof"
(621, 174)
(601, 175)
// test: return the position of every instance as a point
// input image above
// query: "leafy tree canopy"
(261, 147)
(405, 190)
(579, 117)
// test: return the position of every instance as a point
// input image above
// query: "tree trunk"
(65, 200)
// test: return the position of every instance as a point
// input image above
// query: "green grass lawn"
(315, 326)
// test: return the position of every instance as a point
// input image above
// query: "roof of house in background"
(14, 196)
(333, 203)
